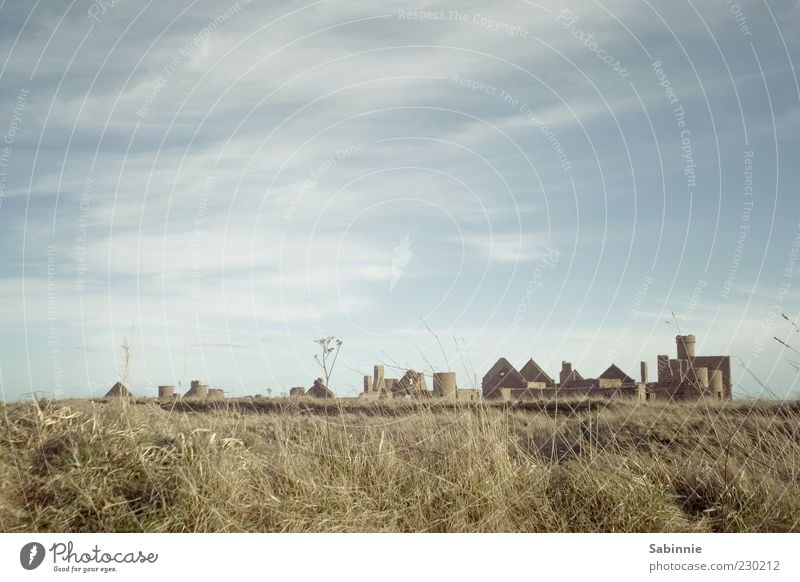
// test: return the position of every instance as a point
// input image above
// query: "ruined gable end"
(501, 375)
(613, 372)
(533, 372)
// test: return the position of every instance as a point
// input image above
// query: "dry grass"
(281, 465)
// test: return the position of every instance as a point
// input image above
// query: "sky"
(216, 185)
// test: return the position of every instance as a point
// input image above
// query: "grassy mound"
(296, 465)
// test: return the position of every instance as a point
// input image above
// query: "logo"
(31, 555)
(401, 256)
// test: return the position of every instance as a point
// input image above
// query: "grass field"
(312, 466)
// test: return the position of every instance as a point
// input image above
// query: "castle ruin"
(413, 385)
(687, 377)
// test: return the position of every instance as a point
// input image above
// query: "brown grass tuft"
(302, 465)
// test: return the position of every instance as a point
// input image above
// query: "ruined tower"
(685, 345)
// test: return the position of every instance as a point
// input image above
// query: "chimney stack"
(566, 372)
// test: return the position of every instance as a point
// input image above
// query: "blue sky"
(436, 184)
